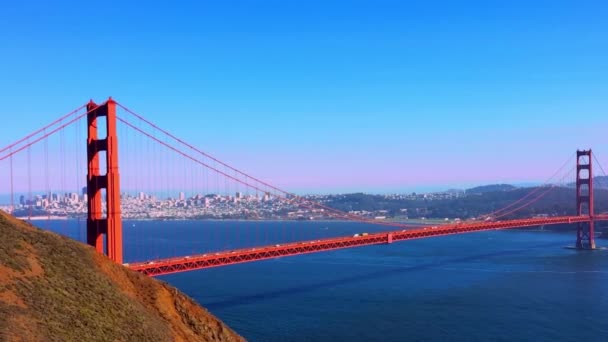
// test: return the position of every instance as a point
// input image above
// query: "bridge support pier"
(585, 235)
(100, 223)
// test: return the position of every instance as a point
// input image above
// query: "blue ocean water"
(487, 286)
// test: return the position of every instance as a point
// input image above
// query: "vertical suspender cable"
(29, 181)
(12, 183)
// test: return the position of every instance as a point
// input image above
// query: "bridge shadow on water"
(384, 273)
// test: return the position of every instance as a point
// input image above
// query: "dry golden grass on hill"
(56, 289)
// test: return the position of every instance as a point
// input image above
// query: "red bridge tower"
(584, 199)
(100, 223)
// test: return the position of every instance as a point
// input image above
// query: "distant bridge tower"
(585, 238)
(99, 224)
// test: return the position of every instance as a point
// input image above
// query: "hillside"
(558, 201)
(599, 182)
(489, 188)
(56, 289)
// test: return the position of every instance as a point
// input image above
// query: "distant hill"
(543, 201)
(599, 182)
(490, 188)
(56, 289)
(454, 191)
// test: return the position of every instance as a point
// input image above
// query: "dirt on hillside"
(55, 289)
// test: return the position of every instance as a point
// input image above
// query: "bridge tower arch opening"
(102, 223)
(585, 235)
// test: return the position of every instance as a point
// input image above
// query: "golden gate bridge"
(154, 161)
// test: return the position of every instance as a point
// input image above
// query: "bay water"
(488, 286)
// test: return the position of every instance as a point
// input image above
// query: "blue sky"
(328, 95)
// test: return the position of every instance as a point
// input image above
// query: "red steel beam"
(183, 264)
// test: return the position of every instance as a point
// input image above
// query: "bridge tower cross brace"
(100, 223)
(585, 238)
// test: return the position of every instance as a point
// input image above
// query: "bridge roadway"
(195, 262)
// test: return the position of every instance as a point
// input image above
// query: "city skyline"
(175, 193)
(148, 206)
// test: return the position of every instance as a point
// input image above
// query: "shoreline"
(67, 218)
(41, 218)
